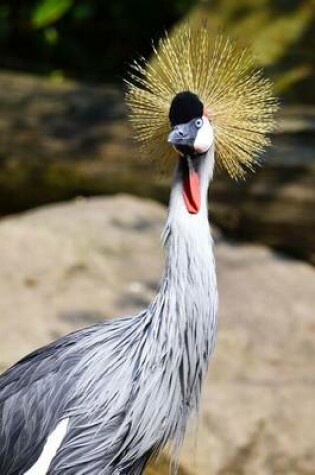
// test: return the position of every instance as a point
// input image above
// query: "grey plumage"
(129, 385)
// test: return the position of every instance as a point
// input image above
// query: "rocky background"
(68, 265)
(62, 139)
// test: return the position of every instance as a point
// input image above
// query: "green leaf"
(287, 79)
(82, 11)
(275, 40)
(51, 36)
(47, 12)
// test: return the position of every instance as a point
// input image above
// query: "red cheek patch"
(191, 191)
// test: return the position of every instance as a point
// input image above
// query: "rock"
(62, 140)
(258, 406)
(66, 266)
(73, 264)
(162, 467)
(275, 206)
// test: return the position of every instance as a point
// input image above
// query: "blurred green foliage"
(49, 11)
(281, 34)
(91, 38)
(98, 38)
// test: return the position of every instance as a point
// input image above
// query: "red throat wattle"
(191, 191)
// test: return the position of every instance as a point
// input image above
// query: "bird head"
(192, 136)
(201, 94)
(192, 133)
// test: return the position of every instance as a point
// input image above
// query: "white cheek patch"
(204, 137)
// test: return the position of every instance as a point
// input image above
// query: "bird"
(107, 398)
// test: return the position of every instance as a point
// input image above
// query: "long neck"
(186, 302)
(179, 325)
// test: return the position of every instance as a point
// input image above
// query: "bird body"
(103, 400)
(126, 386)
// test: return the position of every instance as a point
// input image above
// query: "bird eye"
(198, 123)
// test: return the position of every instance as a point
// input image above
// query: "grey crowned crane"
(105, 399)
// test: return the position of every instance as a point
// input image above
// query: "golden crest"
(238, 99)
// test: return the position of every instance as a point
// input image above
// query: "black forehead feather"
(184, 107)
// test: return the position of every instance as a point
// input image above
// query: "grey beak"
(182, 134)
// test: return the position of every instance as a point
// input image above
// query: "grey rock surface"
(66, 266)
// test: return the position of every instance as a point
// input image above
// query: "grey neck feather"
(184, 310)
